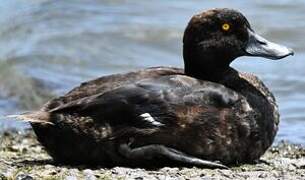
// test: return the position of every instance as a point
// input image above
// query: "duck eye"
(225, 27)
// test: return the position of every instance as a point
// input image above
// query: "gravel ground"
(22, 158)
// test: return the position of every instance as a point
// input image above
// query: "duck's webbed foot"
(150, 151)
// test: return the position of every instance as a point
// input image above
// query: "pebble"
(263, 175)
(49, 166)
(71, 178)
(24, 177)
(89, 174)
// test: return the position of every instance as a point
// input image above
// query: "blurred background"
(47, 47)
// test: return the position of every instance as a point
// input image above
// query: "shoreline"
(22, 157)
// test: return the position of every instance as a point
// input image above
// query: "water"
(47, 47)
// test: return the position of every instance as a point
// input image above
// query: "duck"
(206, 114)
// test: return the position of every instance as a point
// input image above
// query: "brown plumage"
(204, 113)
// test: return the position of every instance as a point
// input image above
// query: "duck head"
(213, 39)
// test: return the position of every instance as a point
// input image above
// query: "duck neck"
(211, 66)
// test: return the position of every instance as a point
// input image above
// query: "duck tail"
(40, 117)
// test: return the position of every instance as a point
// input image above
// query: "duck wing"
(150, 102)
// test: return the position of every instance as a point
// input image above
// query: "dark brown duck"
(205, 115)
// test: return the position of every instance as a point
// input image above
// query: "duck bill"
(259, 46)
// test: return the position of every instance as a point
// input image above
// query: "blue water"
(47, 47)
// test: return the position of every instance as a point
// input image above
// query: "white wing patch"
(245, 106)
(147, 117)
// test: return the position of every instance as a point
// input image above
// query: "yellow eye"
(225, 27)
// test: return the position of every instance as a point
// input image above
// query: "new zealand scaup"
(205, 115)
